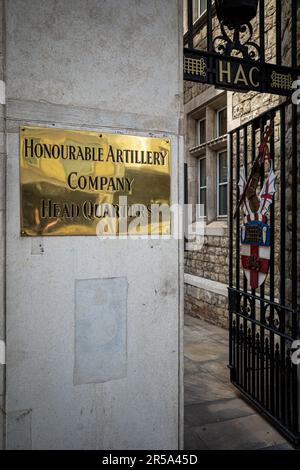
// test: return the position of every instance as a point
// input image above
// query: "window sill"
(218, 228)
(215, 144)
(206, 284)
(198, 150)
(218, 142)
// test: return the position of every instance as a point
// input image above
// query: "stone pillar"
(2, 228)
(113, 67)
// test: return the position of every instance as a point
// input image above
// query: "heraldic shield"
(255, 231)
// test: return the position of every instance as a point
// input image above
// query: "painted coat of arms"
(255, 231)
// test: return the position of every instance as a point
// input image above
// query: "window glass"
(203, 172)
(202, 187)
(222, 184)
(223, 200)
(201, 131)
(223, 167)
(201, 7)
(221, 122)
(203, 202)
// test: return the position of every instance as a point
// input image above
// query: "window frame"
(202, 187)
(218, 111)
(199, 12)
(221, 216)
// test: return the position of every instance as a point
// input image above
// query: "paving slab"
(246, 433)
(192, 440)
(216, 416)
(204, 351)
(217, 411)
(283, 446)
(217, 369)
(207, 388)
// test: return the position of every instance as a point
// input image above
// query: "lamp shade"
(236, 12)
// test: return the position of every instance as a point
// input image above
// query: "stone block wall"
(210, 306)
(210, 261)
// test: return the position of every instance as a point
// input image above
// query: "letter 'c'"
(255, 84)
(70, 180)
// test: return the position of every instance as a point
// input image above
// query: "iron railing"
(264, 323)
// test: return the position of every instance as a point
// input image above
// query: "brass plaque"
(89, 183)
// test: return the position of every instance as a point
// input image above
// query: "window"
(201, 7)
(201, 131)
(221, 122)
(202, 187)
(222, 183)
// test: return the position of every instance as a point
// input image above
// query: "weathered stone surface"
(101, 66)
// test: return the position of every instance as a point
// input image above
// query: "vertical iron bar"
(190, 24)
(257, 348)
(230, 148)
(294, 218)
(294, 259)
(253, 306)
(209, 26)
(234, 348)
(237, 248)
(277, 375)
(288, 390)
(186, 197)
(272, 270)
(249, 354)
(267, 355)
(209, 39)
(245, 284)
(278, 32)
(294, 33)
(262, 295)
(262, 29)
(241, 351)
(230, 209)
(282, 256)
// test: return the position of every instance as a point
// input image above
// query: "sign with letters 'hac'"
(74, 181)
(234, 73)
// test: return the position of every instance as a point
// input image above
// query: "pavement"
(216, 417)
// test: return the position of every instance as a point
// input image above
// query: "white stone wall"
(101, 65)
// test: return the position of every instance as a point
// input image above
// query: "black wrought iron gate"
(264, 322)
(225, 47)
